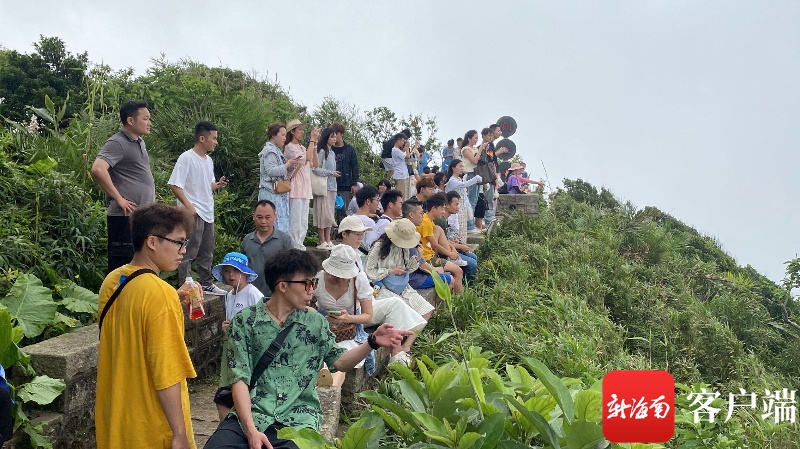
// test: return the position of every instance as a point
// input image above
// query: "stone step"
(476, 239)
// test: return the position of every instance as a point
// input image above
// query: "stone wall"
(69, 420)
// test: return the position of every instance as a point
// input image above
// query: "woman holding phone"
(344, 295)
(300, 195)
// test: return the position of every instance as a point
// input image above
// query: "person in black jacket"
(347, 165)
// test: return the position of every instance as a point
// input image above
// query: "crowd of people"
(287, 318)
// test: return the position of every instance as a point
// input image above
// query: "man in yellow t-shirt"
(432, 251)
(142, 398)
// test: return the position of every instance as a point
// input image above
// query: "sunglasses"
(310, 283)
(181, 243)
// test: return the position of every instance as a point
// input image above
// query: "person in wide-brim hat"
(403, 233)
(236, 260)
(292, 124)
(342, 262)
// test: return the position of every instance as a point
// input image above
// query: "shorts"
(481, 206)
(438, 260)
(428, 283)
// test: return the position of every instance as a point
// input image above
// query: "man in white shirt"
(192, 182)
(392, 203)
(399, 168)
(367, 199)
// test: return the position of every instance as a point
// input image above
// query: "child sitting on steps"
(233, 270)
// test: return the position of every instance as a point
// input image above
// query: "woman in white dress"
(389, 307)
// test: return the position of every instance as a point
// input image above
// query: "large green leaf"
(467, 441)
(305, 438)
(30, 304)
(492, 429)
(443, 378)
(555, 386)
(357, 437)
(41, 390)
(78, 299)
(537, 421)
(588, 405)
(36, 433)
(442, 289)
(585, 435)
(411, 379)
(9, 337)
(410, 395)
(390, 405)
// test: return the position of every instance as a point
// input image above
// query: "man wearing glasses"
(285, 394)
(142, 365)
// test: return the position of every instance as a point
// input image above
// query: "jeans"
(472, 265)
(489, 194)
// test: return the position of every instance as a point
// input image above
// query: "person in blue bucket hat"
(233, 271)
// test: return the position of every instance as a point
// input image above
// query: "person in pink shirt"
(300, 195)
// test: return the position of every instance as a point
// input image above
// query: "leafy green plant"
(28, 312)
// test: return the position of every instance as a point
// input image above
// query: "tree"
(51, 70)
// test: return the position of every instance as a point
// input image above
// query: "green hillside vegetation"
(591, 285)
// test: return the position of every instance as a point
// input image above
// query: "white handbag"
(319, 185)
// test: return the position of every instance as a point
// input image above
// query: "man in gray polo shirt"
(264, 242)
(122, 168)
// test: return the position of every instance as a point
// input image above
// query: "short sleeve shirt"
(141, 350)
(129, 168)
(399, 163)
(258, 252)
(286, 393)
(425, 230)
(194, 174)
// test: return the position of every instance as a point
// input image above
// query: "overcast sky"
(689, 106)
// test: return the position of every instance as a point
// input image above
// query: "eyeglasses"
(181, 243)
(310, 283)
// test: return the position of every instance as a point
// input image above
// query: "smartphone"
(334, 313)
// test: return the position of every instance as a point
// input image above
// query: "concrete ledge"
(475, 239)
(73, 358)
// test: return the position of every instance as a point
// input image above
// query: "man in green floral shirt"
(285, 395)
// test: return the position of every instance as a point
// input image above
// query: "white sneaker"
(401, 357)
(460, 262)
(329, 246)
(214, 290)
(323, 245)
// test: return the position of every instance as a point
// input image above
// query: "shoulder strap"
(269, 355)
(355, 292)
(116, 293)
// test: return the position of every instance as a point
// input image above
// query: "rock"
(331, 400)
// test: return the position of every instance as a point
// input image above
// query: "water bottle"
(192, 295)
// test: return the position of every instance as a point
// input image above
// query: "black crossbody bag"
(116, 293)
(224, 395)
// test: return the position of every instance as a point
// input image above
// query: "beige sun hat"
(403, 233)
(292, 124)
(515, 166)
(352, 223)
(342, 262)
